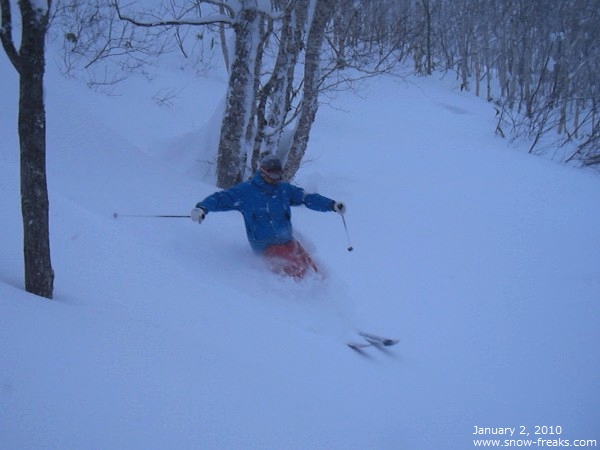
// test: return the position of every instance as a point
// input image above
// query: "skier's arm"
(220, 201)
(321, 203)
(316, 202)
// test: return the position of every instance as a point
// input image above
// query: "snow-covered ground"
(164, 334)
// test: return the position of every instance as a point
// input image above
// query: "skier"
(264, 202)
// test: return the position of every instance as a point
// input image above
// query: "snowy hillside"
(164, 334)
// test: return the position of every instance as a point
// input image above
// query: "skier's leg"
(290, 259)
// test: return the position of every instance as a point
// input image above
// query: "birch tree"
(238, 126)
(275, 109)
(312, 80)
(544, 57)
(247, 19)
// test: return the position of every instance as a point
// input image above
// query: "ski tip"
(357, 347)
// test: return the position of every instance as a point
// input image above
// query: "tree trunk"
(312, 79)
(276, 96)
(241, 95)
(30, 63)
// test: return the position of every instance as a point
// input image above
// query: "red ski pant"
(290, 259)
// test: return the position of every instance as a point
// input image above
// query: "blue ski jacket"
(265, 208)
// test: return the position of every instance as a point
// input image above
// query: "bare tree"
(238, 126)
(29, 61)
(246, 115)
(275, 98)
(543, 55)
(312, 80)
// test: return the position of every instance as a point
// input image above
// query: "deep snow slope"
(165, 334)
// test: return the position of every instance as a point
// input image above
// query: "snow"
(40, 6)
(164, 334)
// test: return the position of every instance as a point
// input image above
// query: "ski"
(358, 346)
(372, 340)
(378, 340)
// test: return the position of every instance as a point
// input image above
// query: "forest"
(535, 61)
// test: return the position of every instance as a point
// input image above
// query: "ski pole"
(350, 248)
(169, 216)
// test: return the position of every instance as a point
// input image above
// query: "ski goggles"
(273, 174)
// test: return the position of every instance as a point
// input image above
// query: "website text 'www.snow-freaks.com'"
(540, 442)
(519, 437)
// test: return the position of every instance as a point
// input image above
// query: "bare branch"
(6, 35)
(209, 20)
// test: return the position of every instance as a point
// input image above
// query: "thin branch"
(6, 35)
(212, 19)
